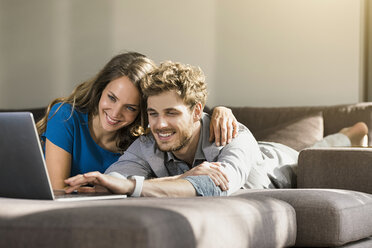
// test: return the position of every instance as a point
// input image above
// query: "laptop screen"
(23, 171)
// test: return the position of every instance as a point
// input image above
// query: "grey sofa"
(331, 206)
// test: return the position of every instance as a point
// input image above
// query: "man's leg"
(349, 136)
(357, 133)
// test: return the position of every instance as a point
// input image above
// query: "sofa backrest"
(335, 117)
(263, 121)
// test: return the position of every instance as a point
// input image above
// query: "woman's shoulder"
(64, 111)
(60, 106)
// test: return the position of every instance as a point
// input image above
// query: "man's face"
(171, 121)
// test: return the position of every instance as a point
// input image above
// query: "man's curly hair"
(187, 81)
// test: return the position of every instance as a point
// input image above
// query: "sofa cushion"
(148, 222)
(363, 243)
(336, 167)
(298, 134)
(325, 217)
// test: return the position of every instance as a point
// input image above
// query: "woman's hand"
(211, 169)
(223, 126)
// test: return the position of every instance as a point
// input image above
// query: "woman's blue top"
(70, 131)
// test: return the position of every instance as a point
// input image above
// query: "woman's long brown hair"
(85, 97)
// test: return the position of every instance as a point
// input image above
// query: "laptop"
(23, 172)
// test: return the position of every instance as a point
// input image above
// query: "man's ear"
(198, 111)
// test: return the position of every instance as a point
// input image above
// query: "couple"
(178, 158)
(90, 129)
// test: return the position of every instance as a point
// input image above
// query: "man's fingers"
(223, 182)
(76, 185)
(81, 177)
(93, 174)
(71, 179)
(87, 189)
(215, 163)
(219, 177)
(102, 189)
(211, 169)
(80, 180)
(221, 172)
(95, 189)
(89, 177)
(218, 181)
(71, 189)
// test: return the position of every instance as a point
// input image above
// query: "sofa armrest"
(339, 168)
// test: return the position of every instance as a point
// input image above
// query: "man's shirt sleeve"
(237, 159)
(204, 186)
(131, 163)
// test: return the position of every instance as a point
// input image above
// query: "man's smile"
(165, 135)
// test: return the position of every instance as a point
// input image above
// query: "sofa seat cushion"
(325, 217)
(363, 243)
(148, 222)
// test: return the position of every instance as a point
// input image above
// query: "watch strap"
(138, 187)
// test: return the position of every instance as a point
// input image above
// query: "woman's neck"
(106, 140)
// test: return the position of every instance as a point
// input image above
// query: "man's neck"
(188, 152)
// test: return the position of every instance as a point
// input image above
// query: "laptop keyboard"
(62, 194)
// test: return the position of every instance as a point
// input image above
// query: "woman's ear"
(198, 111)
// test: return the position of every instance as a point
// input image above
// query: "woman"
(91, 128)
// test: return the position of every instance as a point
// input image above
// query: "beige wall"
(254, 52)
(48, 46)
(181, 31)
(288, 52)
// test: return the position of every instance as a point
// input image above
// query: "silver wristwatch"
(139, 184)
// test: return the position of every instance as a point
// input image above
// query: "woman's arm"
(223, 126)
(58, 163)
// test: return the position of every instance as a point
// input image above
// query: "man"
(177, 159)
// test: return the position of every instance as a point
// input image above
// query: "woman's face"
(119, 104)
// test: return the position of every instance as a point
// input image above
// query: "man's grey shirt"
(247, 163)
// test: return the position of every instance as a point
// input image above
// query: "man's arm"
(133, 162)
(236, 159)
(173, 186)
(168, 188)
(153, 188)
